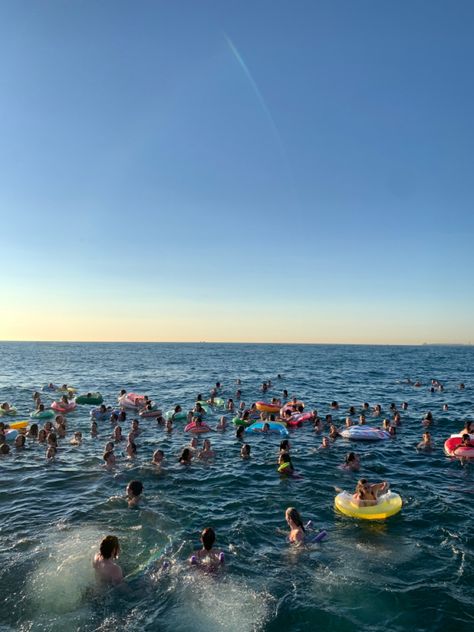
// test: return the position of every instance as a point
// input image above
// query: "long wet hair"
(294, 516)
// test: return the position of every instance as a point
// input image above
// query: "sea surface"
(412, 572)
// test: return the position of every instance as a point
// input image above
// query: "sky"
(254, 171)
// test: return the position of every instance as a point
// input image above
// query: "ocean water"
(411, 572)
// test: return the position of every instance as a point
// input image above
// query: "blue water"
(412, 572)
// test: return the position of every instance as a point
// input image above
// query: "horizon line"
(243, 342)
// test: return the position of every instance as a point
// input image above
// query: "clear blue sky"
(252, 170)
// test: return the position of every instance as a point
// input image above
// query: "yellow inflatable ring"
(389, 504)
(16, 425)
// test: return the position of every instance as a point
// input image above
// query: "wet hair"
(284, 445)
(108, 545)
(240, 431)
(350, 457)
(107, 455)
(34, 430)
(245, 449)
(185, 455)
(285, 457)
(208, 537)
(295, 517)
(133, 445)
(22, 439)
(466, 438)
(136, 487)
(4, 448)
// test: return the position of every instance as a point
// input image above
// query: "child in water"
(134, 493)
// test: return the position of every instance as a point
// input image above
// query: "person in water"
(134, 493)
(106, 569)
(294, 521)
(109, 459)
(367, 495)
(186, 457)
(351, 462)
(158, 458)
(468, 428)
(207, 452)
(426, 443)
(208, 556)
(245, 451)
(285, 466)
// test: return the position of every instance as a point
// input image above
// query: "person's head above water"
(208, 537)
(134, 488)
(109, 547)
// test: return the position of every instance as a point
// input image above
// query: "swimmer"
(386, 425)
(6, 407)
(362, 419)
(238, 394)
(186, 457)
(265, 428)
(392, 431)
(158, 458)
(348, 422)
(117, 436)
(297, 531)
(4, 449)
(134, 493)
(445, 407)
(52, 439)
(135, 429)
(365, 406)
(468, 428)
(131, 450)
(109, 459)
(106, 569)
(285, 446)
(94, 429)
(428, 419)
(334, 405)
(285, 466)
(193, 444)
(324, 444)
(285, 394)
(351, 462)
(114, 419)
(169, 426)
(239, 433)
(245, 451)
(222, 424)
(122, 416)
(426, 443)
(51, 453)
(208, 557)
(405, 406)
(77, 439)
(42, 435)
(207, 452)
(367, 495)
(397, 420)
(318, 425)
(461, 386)
(230, 405)
(32, 432)
(20, 440)
(109, 446)
(334, 433)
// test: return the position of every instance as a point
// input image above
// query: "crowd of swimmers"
(365, 494)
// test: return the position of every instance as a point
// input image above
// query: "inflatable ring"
(364, 433)
(453, 447)
(16, 425)
(388, 505)
(274, 426)
(93, 398)
(265, 407)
